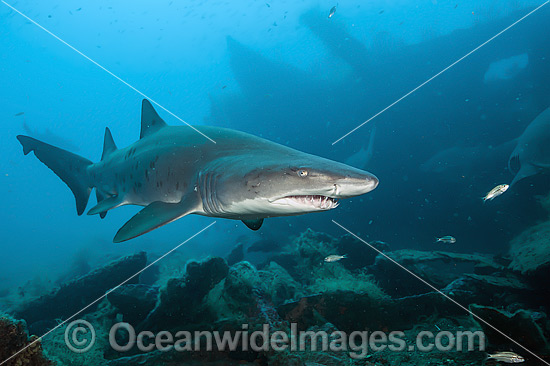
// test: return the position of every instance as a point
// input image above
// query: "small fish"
(19, 114)
(507, 357)
(495, 192)
(335, 258)
(381, 12)
(332, 11)
(269, 6)
(446, 239)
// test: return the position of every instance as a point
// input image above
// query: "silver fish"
(332, 11)
(335, 258)
(446, 239)
(507, 357)
(495, 192)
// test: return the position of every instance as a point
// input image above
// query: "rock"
(234, 296)
(278, 284)
(350, 311)
(180, 302)
(289, 261)
(438, 268)
(520, 326)
(236, 255)
(502, 288)
(358, 254)
(13, 339)
(530, 252)
(76, 294)
(188, 358)
(314, 246)
(135, 302)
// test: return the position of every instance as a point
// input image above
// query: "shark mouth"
(315, 201)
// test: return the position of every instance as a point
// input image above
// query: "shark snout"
(355, 184)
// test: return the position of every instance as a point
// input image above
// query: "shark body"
(532, 152)
(173, 171)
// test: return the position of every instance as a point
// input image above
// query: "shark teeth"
(317, 201)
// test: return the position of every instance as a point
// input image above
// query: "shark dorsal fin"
(108, 144)
(150, 120)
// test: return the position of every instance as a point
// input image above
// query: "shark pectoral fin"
(526, 170)
(153, 216)
(254, 224)
(105, 204)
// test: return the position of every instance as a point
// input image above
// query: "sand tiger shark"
(173, 171)
(532, 152)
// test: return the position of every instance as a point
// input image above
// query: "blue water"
(277, 78)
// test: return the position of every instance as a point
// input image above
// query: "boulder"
(134, 301)
(530, 253)
(78, 293)
(437, 268)
(181, 299)
(521, 326)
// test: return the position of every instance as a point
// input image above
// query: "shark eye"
(302, 173)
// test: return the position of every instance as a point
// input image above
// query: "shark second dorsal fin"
(108, 144)
(150, 120)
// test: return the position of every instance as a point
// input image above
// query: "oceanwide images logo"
(80, 337)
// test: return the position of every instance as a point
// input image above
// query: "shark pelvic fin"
(526, 170)
(154, 216)
(109, 145)
(254, 224)
(150, 120)
(105, 204)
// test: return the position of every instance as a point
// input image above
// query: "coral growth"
(17, 348)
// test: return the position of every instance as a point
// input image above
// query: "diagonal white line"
(437, 290)
(104, 69)
(441, 72)
(107, 293)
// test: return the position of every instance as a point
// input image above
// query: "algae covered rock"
(71, 297)
(279, 284)
(520, 326)
(530, 252)
(135, 302)
(438, 268)
(358, 254)
(233, 297)
(180, 301)
(13, 339)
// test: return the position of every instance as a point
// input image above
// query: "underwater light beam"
(105, 69)
(108, 292)
(440, 292)
(441, 72)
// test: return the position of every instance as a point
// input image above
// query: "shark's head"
(281, 187)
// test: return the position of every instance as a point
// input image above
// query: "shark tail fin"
(70, 167)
